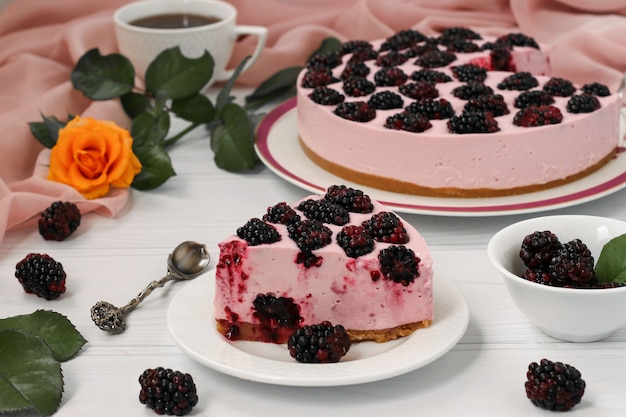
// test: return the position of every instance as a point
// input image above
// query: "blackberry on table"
(596, 89)
(469, 72)
(349, 198)
(538, 116)
(318, 78)
(355, 241)
(473, 122)
(491, 103)
(432, 76)
(168, 392)
(533, 98)
(538, 248)
(326, 96)
(390, 77)
(554, 385)
(355, 69)
(583, 103)
(281, 213)
(391, 59)
(385, 100)
(309, 235)
(435, 59)
(402, 40)
(559, 87)
(471, 89)
(257, 232)
(323, 60)
(399, 264)
(319, 343)
(419, 90)
(519, 81)
(41, 275)
(434, 109)
(356, 111)
(386, 227)
(59, 220)
(325, 211)
(410, 122)
(358, 86)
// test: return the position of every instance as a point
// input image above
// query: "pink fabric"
(40, 41)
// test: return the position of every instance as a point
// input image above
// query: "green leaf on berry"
(101, 77)
(53, 328)
(611, 264)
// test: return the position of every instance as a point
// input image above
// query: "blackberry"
(420, 49)
(501, 59)
(436, 59)
(168, 392)
(355, 69)
(402, 40)
(538, 116)
(473, 122)
(554, 385)
(538, 248)
(583, 103)
(410, 122)
(281, 213)
(352, 200)
(318, 78)
(419, 90)
(515, 39)
(459, 32)
(430, 76)
(326, 96)
(362, 55)
(257, 232)
(41, 275)
(324, 211)
(358, 86)
(273, 312)
(432, 108)
(596, 89)
(59, 220)
(519, 81)
(559, 87)
(471, 89)
(391, 59)
(355, 241)
(356, 111)
(350, 46)
(399, 264)
(309, 235)
(469, 72)
(462, 46)
(319, 343)
(573, 266)
(606, 285)
(390, 77)
(490, 103)
(385, 100)
(386, 227)
(538, 275)
(533, 98)
(324, 60)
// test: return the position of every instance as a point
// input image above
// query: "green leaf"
(233, 142)
(135, 103)
(328, 45)
(279, 86)
(149, 128)
(196, 109)
(176, 76)
(30, 377)
(156, 167)
(47, 132)
(101, 77)
(611, 264)
(224, 97)
(53, 328)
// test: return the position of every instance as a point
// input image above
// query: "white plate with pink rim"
(191, 324)
(277, 146)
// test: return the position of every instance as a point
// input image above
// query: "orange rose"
(92, 156)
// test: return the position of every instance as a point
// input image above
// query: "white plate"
(191, 324)
(279, 149)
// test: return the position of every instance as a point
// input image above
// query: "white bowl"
(575, 315)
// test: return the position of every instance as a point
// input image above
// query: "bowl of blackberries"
(566, 273)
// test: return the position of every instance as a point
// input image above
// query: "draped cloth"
(40, 42)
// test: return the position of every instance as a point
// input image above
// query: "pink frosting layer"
(511, 158)
(340, 290)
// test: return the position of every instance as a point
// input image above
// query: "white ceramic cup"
(141, 45)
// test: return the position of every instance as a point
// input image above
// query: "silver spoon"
(187, 261)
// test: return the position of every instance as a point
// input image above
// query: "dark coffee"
(174, 21)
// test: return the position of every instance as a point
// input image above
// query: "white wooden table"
(113, 259)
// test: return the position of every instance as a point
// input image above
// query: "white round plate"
(279, 149)
(191, 324)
